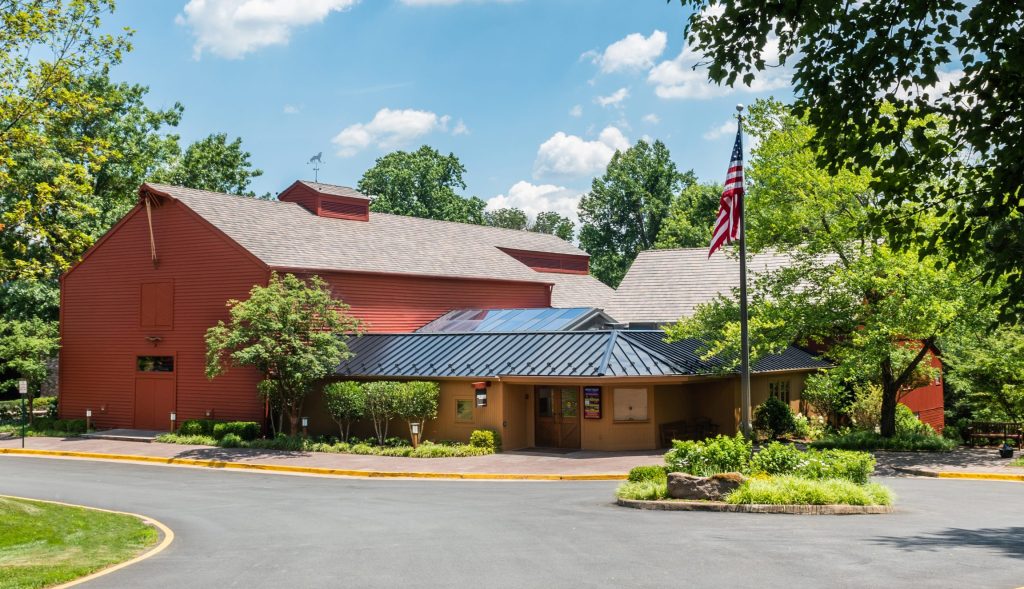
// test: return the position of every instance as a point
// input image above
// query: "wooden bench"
(674, 430)
(995, 430)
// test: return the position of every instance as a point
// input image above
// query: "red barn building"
(135, 309)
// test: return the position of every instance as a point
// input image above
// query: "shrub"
(431, 450)
(231, 440)
(774, 417)
(866, 409)
(865, 440)
(790, 490)
(196, 427)
(708, 457)
(639, 474)
(281, 442)
(855, 467)
(649, 490)
(801, 426)
(74, 426)
(908, 424)
(417, 402)
(485, 438)
(382, 398)
(194, 440)
(346, 404)
(776, 458)
(246, 430)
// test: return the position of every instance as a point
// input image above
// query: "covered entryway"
(154, 392)
(557, 417)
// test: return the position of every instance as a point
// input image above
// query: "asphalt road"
(236, 529)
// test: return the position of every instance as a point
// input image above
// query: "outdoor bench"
(995, 430)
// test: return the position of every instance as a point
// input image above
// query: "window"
(544, 406)
(779, 390)
(464, 409)
(154, 363)
(630, 404)
(156, 305)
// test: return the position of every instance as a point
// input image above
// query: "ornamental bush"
(852, 466)
(196, 427)
(485, 438)
(231, 440)
(246, 430)
(708, 457)
(647, 473)
(776, 458)
(907, 424)
(774, 418)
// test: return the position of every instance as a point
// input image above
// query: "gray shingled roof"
(560, 353)
(334, 189)
(285, 235)
(664, 285)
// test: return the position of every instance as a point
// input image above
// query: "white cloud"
(291, 109)
(390, 129)
(571, 155)
(726, 128)
(614, 99)
(537, 198)
(232, 28)
(576, 111)
(683, 78)
(460, 128)
(651, 118)
(935, 92)
(631, 53)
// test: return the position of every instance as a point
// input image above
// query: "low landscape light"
(88, 412)
(415, 428)
(305, 422)
(174, 416)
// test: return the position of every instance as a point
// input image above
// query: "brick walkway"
(516, 462)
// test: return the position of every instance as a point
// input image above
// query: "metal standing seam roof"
(614, 353)
(499, 320)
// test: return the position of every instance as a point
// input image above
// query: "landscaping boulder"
(713, 488)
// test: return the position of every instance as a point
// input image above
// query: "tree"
(691, 217)
(346, 403)
(26, 347)
(418, 402)
(919, 94)
(422, 184)
(382, 405)
(552, 223)
(212, 164)
(881, 312)
(292, 330)
(987, 372)
(623, 213)
(510, 218)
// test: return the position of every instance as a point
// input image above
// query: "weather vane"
(316, 160)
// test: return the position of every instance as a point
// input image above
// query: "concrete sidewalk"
(962, 462)
(531, 462)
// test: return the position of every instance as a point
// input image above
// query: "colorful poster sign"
(591, 402)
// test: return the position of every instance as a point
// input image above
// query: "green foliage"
(382, 405)
(552, 223)
(691, 217)
(510, 218)
(485, 438)
(801, 426)
(645, 490)
(708, 457)
(791, 490)
(912, 101)
(986, 371)
(212, 163)
(786, 459)
(776, 458)
(868, 440)
(423, 184)
(907, 424)
(25, 299)
(346, 404)
(244, 430)
(625, 209)
(417, 402)
(639, 474)
(230, 441)
(10, 411)
(196, 427)
(866, 409)
(187, 439)
(290, 330)
(284, 443)
(825, 393)
(774, 418)
(25, 348)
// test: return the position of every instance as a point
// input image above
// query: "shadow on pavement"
(236, 454)
(1009, 541)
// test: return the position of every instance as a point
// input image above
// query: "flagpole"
(744, 334)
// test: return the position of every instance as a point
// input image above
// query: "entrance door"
(154, 392)
(557, 417)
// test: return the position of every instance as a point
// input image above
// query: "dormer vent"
(328, 200)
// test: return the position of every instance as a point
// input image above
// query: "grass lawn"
(43, 544)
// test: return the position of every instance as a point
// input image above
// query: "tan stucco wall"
(608, 434)
(446, 428)
(518, 422)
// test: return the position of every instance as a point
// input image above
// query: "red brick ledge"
(679, 505)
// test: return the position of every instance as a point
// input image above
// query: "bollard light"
(88, 412)
(414, 429)
(174, 416)
(88, 420)
(23, 392)
(305, 422)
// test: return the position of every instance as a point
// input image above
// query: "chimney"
(328, 200)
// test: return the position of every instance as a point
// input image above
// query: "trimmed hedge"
(245, 430)
(196, 427)
(485, 438)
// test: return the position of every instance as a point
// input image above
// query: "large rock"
(714, 488)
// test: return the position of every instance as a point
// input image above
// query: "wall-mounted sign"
(591, 402)
(481, 397)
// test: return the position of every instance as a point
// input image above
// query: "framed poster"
(591, 402)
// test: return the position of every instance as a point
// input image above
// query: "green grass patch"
(790, 490)
(43, 544)
(868, 440)
(1018, 462)
(647, 490)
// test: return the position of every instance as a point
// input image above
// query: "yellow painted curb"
(317, 470)
(167, 532)
(983, 476)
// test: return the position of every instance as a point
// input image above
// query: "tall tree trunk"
(293, 422)
(889, 391)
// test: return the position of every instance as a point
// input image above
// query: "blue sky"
(532, 95)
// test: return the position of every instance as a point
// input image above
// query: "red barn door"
(154, 392)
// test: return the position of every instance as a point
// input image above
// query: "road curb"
(168, 538)
(674, 505)
(221, 464)
(948, 474)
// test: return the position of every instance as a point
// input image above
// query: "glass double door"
(557, 417)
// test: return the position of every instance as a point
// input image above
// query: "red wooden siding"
(396, 303)
(103, 318)
(551, 262)
(301, 194)
(927, 401)
(327, 205)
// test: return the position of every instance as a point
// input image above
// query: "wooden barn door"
(557, 417)
(154, 392)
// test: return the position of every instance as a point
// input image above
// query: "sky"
(534, 96)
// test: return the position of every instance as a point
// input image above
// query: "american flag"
(729, 223)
